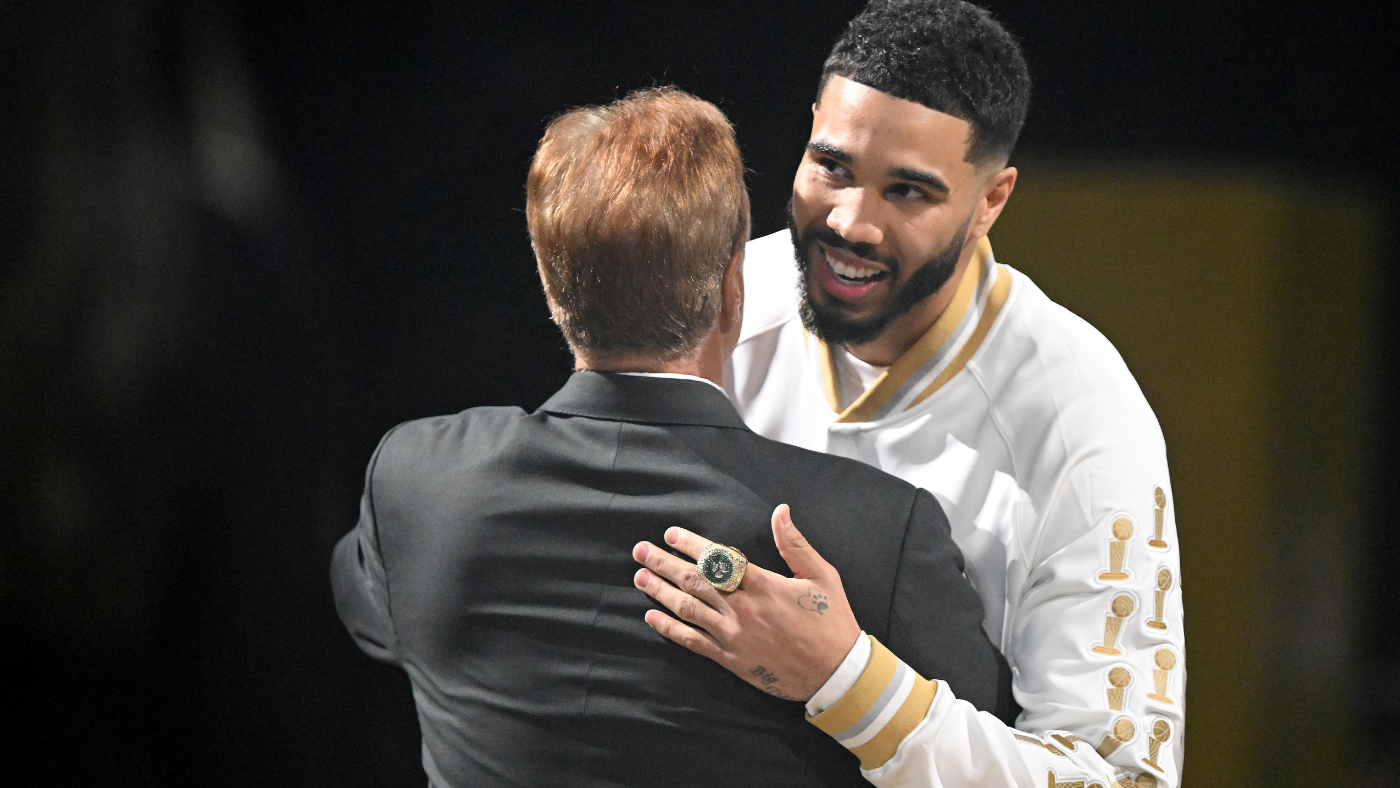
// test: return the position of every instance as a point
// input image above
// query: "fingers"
(801, 557)
(680, 573)
(683, 604)
(693, 545)
(696, 640)
(686, 542)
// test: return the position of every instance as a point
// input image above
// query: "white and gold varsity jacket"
(1025, 423)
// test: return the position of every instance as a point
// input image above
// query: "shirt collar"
(674, 376)
(985, 285)
(649, 398)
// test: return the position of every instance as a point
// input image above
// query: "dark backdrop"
(241, 240)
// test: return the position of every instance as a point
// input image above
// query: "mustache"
(864, 251)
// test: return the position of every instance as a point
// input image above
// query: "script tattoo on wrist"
(814, 601)
(768, 682)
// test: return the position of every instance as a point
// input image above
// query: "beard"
(830, 323)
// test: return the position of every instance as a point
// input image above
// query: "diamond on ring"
(722, 567)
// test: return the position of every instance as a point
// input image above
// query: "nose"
(855, 218)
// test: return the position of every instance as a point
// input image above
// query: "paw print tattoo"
(813, 600)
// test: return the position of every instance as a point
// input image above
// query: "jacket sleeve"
(1101, 678)
(358, 578)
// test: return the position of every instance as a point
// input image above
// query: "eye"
(833, 168)
(904, 192)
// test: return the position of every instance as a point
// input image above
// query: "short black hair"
(948, 55)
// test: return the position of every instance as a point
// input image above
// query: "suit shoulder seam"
(374, 518)
(373, 467)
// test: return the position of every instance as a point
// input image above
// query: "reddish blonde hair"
(634, 209)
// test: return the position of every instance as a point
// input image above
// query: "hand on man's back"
(786, 636)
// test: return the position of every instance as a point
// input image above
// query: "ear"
(994, 197)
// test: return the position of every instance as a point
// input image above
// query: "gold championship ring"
(722, 567)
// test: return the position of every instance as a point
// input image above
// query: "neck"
(908, 328)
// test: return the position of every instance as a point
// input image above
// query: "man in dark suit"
(493, 557)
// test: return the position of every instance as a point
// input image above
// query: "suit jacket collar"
(605, 395)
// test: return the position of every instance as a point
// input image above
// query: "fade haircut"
(635, 209)
(948, 55)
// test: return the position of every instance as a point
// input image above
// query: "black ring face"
(717, 567)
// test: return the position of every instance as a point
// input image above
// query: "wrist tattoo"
(813, 600)
(768, 682)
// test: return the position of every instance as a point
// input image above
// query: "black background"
(189, 391)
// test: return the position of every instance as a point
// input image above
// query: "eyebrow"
(928, 179)
(827, 149)
(901, 173)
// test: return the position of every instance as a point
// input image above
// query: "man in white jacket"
(897, 339)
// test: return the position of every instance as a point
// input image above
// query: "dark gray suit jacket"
(492, 561)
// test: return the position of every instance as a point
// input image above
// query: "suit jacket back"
(493, 562)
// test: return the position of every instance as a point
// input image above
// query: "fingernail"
(641, 578)
(673, 535)
(641, 551)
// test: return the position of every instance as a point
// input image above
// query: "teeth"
(849, 271)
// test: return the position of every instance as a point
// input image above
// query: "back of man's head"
(950, 56)
(634, 209)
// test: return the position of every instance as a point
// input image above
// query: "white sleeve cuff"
(843, 679)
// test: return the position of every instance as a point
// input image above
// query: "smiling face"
(884, 212)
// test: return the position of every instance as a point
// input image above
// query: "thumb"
(800, 556)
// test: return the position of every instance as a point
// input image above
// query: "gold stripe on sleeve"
(859, 701)
(874, 753)
(862, 696)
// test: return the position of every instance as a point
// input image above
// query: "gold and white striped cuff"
(887, 702)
